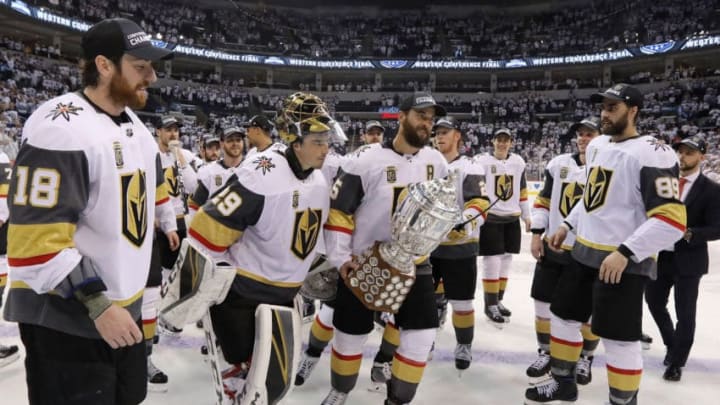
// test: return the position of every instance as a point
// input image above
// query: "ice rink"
(496, 376)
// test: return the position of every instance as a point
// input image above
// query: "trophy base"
(378, 285)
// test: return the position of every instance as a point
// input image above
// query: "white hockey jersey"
(183, 182)
(330, 167)
(365, 196)
(630, 203)
(277, 146)
(5, 171)
(84, 184)
(210, 178)
(505, 181)
(564, 184)
(267, 223)
(472, 200)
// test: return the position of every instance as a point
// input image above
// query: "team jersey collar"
(576, 158)
(391, 146)
(123, 118)
(295, 166)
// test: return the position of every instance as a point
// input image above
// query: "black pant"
(63, 369)
(678, 339)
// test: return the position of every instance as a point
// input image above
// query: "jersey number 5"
(37, 185)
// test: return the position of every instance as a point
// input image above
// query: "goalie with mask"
(266, 223)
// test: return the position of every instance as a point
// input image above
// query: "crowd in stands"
(686, 107)
(414, 34)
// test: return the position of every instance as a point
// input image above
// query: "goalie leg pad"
(195, 284)
(275, 356)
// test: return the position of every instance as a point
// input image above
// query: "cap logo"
(613, 91)
(138, 38)
(422, 100)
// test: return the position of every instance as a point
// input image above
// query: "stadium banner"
(47, 16)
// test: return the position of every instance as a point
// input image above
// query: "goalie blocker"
(195, 284)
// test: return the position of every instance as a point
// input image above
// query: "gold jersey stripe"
(261, 279)
(339, 219)
(213, 234)
(31, 244)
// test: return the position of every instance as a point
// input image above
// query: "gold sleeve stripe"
(407, 370)
(161, 193)
(479, 204)
(542, 202)
(340, 221)
(623, 380)
(4, 190)
(263, 280)
(523, 194)
(3, 280)
(38, 243)
(673, 214)
(345, 365)
(211, 233)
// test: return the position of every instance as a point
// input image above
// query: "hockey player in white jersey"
(267, 221)
(215, 175)
(259, 134)
(364, 198)
(564, 183)
(500, 235)
(630, 210)
(85, 188)
(210, 148)
(321, 331)
(454, 262)
(8, 354)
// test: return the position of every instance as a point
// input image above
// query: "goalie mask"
(303, 114)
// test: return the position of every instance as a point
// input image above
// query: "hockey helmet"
(303, 114)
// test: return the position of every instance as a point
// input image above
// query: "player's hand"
(527, 224)
(173, 239)
(117, 327)
(612, 267)
(346, 267)
(536, 247)
(557, 239)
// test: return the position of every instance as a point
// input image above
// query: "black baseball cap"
(694, 142)
(622, 92)
(208, 139)
(231, 132)
(590, 122)
(168, 121)
(374, 124)
(420, 100)
(260, 121)
(502, 131)
(114, 37)
(449, 122)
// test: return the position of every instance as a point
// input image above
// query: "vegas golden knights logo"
(134, 207)
(171, 179)
(305, 232)
(570, 194)
(430, 170)
(504, 186)
(596, 188)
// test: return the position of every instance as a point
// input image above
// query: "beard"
(232, 152)
(123, 93)
(615, 128)
(412, 135)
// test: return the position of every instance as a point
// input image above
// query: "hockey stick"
(214, 358)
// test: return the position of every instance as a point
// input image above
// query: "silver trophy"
(422, 220)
